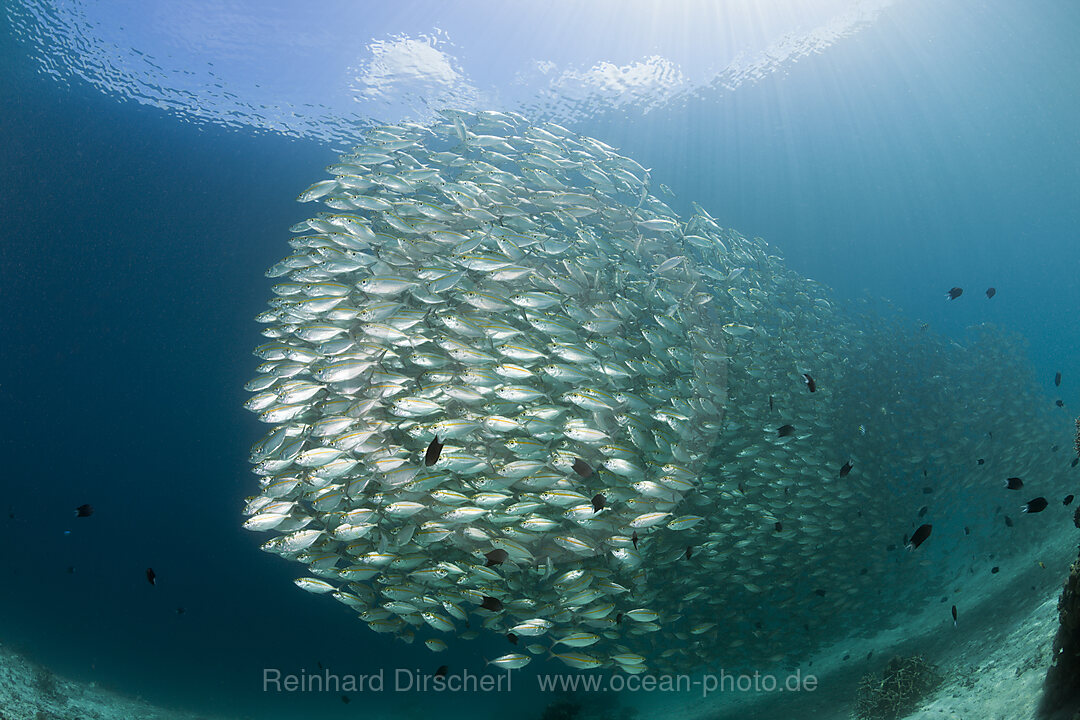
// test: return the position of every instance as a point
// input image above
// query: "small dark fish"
(1014, 483)
(967, 530)
(994, 570)
(1008, 521)
(496, 557)
(1037, 505)
(846, 469)
(990, 292)
(1074, 463)
(863, 571)
(345, 699)
(770, 402)
(71, 569)
(598, 502)
(1068, 499)
(151, 576)
(923, 510)
(954, 293)
(810, 384)
(918, 537)
(181, 611)
(433, 451)
(689, 552)
(845, 657)
(820, 592)
(980, 461)
(779, 527)
(785, 431)
(1053, 448)
(869, 654)
(441, 672)
(633, 539)
(82, 511)
(1057, 380)
(927, 490)
(512, 638)
(492, 604)
(1059, 403)
(618, 619)
(582, 468)
(954, 616)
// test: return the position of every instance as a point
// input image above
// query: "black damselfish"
(582, 468)
(990, 292)
(810, 384)
(1037, 505)
(919, 536)
(84, 511)
(1068, 499)
(1014, 483)
(846, 469)
(785, 430)
(954, 293)
(433, 451)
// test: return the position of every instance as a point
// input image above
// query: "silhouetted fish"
(820, 592)
(1059, 403)
(496, 557)
(954, 293)
(919, 536)
(994, 570)
(1057, 379)
(151, 576)
(770, 402)
(927, 490)
(689, 552)
(1014, 483)
(846, 469)
(492, 604)
(1008, 521)
(433, 451)
(810, 384)
(990, 292)
(345, 699)
(779, 527)
(1068, 499)
(512, 638)
(634, 538)
(582, 468)
(980, 461)
(954, 616)
(84, 511)
(785, 430)
(441, 672)
(967, 530)
(1075, 461)
(1037, 505)
(598, 502)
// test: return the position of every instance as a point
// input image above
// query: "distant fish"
(181, 611)
(1008, 521)
(433, 451)
(820, 592)
(954, 293)
(1059, 403)
(1037, 505)
(598, 502)
(1075, 461)
(927, 490)
(779, 526)
(1057, 379)
(492, 604)
(441, 672)
(634, 539)
(990, 292)
(1014, 483)
(770, 402)
(512, 638)
(151, 576)
(923, 510)
(954, 616)
(810, 384)
(496, 557)
(967, 530)
(847, 468)
(1068, 499)
(919, 536)
(994, 570)
(689, 552)
(582, 468)
(345, 699)
(981, 461)
(785, 431)
(81, 511)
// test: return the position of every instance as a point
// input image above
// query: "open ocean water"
(150, 159)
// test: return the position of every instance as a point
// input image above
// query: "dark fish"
(441, 672)
(1059, 403)
(1076, 460)
(180, 611)
(512, 638)
(582, 468)
(345, 699)
(618, 619)
(785, 430)
(846, 469)
(1008, 521)
(433, 451)
(954, 616)
(994, 570)
(923, 510)
(1053, 448)
(990, 292)
(967, 530)
(492, 604)
(598, 502)
(496, 557)
(633, 539)
(1037, 505)
(955, 293)
(151, 576)
(779, 527)
(689, 552)
(770, 402)
(71, 569)
(819, 592)
(1014, 483)
(1068, 499)
(810, 384)
(918, 537)
(980, 461)
(1057, 379)
(927, 490)
(83, 511)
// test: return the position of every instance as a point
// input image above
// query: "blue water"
(936, 147)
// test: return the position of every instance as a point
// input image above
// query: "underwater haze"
(614, 340)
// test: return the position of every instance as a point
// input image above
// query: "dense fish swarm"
(507, 382)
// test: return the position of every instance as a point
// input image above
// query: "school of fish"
(509, 387)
